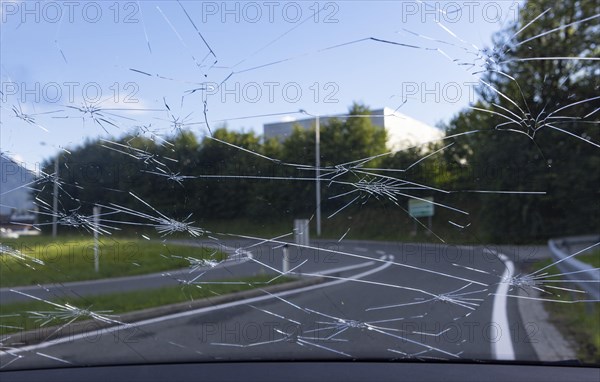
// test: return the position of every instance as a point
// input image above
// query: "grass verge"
(592, 259)
(19, 317)
(71, 258)
(359, 224)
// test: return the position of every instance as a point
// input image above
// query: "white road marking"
(502, 348)
(346, 268)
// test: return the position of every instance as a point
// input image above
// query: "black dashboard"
(311, 371)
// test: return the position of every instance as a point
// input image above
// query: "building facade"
(402, 131)
(16, 201)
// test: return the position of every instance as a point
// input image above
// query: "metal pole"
(55, 197)
(318, 173)
(96, 213)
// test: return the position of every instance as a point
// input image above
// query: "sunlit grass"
(71, 258)
(16, 317)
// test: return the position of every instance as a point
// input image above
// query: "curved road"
(380, 300)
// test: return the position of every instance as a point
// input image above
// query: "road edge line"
(503, 348)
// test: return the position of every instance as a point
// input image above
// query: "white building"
(402, 131)
(16, 201)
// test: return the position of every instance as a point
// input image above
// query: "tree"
(527, 86)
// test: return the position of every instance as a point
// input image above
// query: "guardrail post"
(286, 259)
(301, 235)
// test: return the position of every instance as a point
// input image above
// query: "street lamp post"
(318, 160)
(318, 173)
(55, 197)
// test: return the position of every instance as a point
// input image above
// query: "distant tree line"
(524, 156)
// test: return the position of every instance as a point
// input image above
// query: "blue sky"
(102, 41)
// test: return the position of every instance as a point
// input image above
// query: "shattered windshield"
(215, 181)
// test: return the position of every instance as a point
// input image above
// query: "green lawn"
(364, 224)
(17, 317)
(71, 258)
(578, 322)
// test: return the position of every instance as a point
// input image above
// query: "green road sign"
(420, 208)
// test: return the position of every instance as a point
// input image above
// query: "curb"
(36, 336)
(547, 341)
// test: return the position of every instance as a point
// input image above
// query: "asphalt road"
(341, 318)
